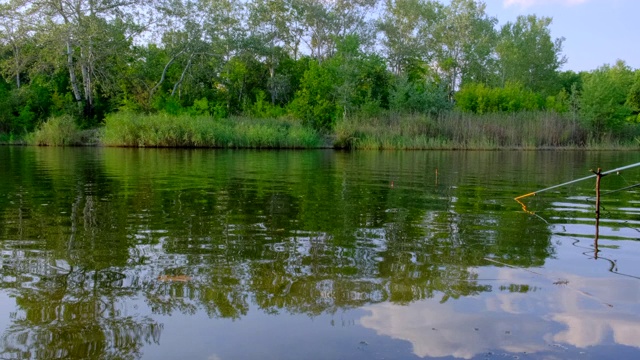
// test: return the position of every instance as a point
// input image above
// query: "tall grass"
(386, 130)
(163, 130)
(56, 131)
(389, 131)
(459, 130)
(521, 130)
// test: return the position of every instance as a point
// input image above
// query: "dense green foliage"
(316, 62)
(608, 97)
(481, 99)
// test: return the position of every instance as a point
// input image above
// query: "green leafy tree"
(528, 55)
(423, 96)
(513, 97)
(407, 27)
(337, 88)
(633, 98)
(315, 101)
(94, 35)
(273, 32)
(465, 39)
(243, 78)
(16, 37)
(604, 101)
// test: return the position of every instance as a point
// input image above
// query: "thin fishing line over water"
(578, 180)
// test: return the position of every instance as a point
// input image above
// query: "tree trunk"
(273, 86)
(72, 72)
(86, 84)
(17, 76)
(16, 56)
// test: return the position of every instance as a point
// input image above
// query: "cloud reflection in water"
(574, 314)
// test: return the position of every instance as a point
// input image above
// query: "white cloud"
(529, 3)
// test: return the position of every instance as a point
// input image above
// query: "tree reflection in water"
(71, 313)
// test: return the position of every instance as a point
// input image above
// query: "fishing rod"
(578, 180)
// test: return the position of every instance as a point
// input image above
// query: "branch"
(184, 72)
(164, 74)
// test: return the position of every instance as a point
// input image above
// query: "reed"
(467, 131)
(163, 130)
(390, 131)
(521, 130)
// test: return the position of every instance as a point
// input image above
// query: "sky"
(596, 32)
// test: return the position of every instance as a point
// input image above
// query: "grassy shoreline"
(162, 130)
(447, 131)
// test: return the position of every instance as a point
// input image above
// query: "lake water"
(221, 254)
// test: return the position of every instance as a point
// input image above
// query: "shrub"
(57, 131)
(481, 99)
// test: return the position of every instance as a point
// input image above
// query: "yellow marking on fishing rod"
(525, 195)
(524, 207)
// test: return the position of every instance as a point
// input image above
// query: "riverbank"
(447, 131)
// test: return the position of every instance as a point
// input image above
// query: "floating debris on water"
(171, 278)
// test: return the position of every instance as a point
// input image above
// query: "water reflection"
(437, 330)
(580, 312)
(66, 312)
(101, 246)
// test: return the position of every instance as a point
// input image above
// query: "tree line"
(313, 60)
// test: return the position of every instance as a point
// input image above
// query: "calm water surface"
(203, 254)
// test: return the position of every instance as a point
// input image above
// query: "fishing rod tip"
(524, 196)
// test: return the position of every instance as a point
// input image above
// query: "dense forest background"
(316, 61)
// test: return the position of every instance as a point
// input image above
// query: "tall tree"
(16, 34)
(353, 18)
(408, 28)
(225, 30)
(528, 55)
(224, 24)
(91, 33)
(270, 22)
(465, 39)
(326, 22)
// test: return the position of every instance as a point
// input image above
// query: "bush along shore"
(163, 130)
(450, 130)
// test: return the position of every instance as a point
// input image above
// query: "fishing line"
(623, 178)
(578, 180)
(622, 189)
